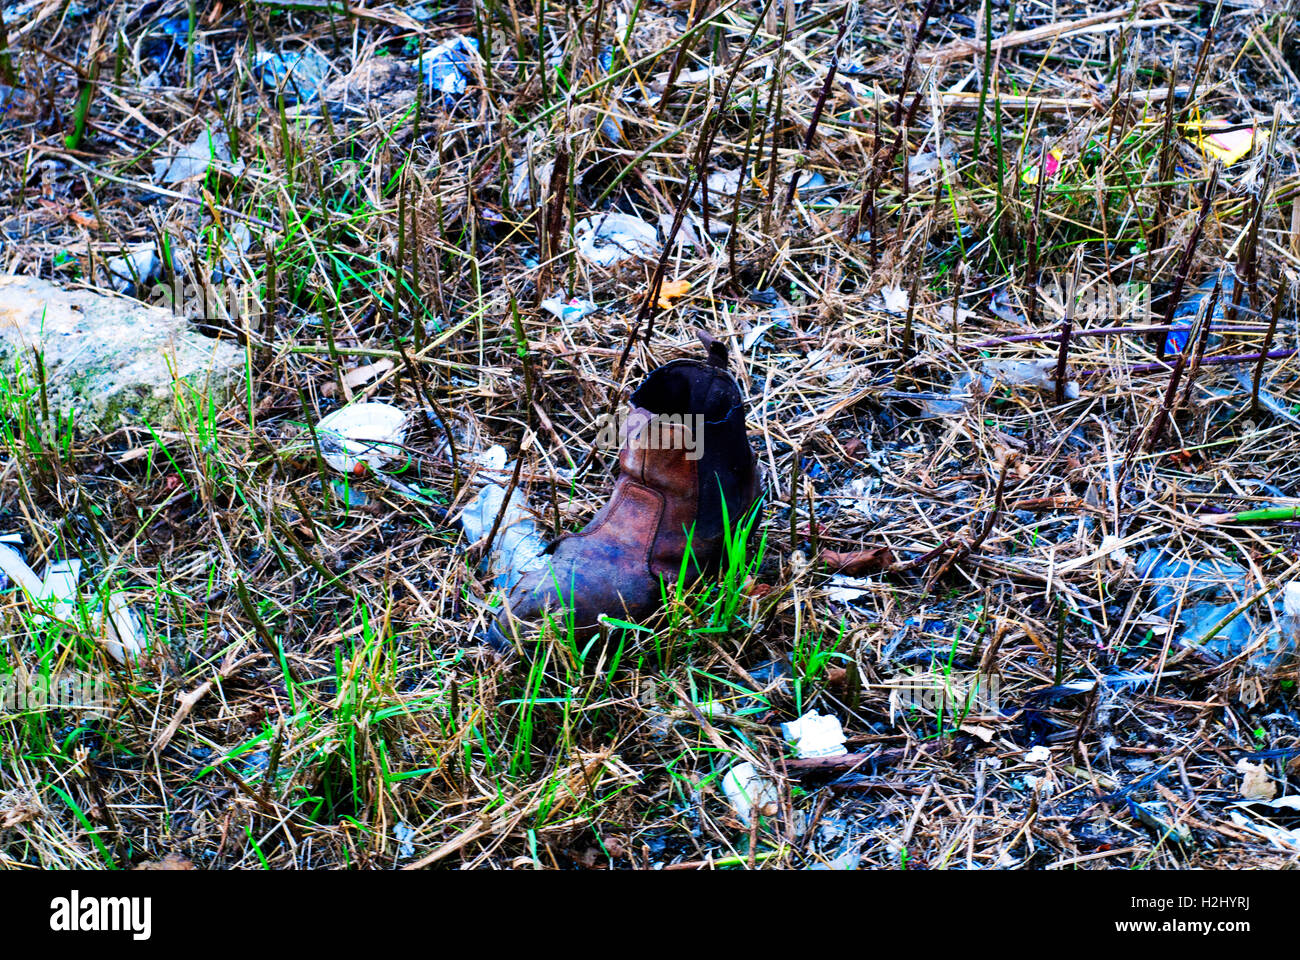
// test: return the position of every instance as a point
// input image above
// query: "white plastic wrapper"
(748, 791)
(362, 435)
(124, 637)
(610, 238)
(814, 735)
(1029, 373)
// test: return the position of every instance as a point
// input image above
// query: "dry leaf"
(857, 562)
(173, 861)
(671, 290)
(1255, 781)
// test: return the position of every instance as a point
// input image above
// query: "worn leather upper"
(663, 498)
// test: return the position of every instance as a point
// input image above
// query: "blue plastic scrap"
(446, 68)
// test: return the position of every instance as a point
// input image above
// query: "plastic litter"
(845, 589)
(519, 544)
(895, 299)
(814, 735)
(124, 637)
(1029, 373)
(1204, 587)
(448, 66)
(60, 585)
(1280, 837)
(362, 435)
(521, 182)
(1218, 140)
(1156, 816)
(141, 263)
(297, 74)
(611, 238)
(927, 164)
(1110, 546)
(1181, 327)
(573, 309)
(723, 183)
(404, 834)
(233, 251)
(749, 792)
(1245, 376)
(1051, 165)
(194, 159)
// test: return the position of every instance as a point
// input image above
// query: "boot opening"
(688, 387)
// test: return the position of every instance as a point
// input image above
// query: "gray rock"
(110, 359)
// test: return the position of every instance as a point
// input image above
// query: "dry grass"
(315, 695)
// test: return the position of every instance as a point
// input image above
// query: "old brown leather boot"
(686, 450)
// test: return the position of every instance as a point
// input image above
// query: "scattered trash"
(60, 586)
(125, 638)
(1156, 816)
(612, 130)
(233, 254)
(1038, 754)
(298, 75)
(349, 494)
(1051, 165)
(519, 546)
(522, 187)
(135, 270)
(1224, 142)
(1280, 837)
(57, 592)
(722, 183)
(571, 310)
(1029, 373)
(1110, 547)
(922, 166)
(807, 182)
(361, 436)
(814, 735)
(1174, 580)
(610, 238)
(1181, 326)
(842, 589)
(422, 12)
(690, 76)
(404, 834)
(448, 66)
(749, 792)
(895, 300)
(195, 159)
(1001, 305)
(16, 569)
(1256, 784)
(1245, 376)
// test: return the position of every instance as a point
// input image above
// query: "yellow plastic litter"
(1225, 145)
